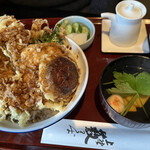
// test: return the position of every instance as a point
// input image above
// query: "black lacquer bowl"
(129, 64)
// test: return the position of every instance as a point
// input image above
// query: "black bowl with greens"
(125, 91)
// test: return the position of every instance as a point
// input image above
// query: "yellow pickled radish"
(133, 107)
(137, 103)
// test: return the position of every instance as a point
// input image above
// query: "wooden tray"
(88, 109)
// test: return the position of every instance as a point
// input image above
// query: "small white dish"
(85, 21)
(141, 46)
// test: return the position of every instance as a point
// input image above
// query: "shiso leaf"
(124, 78)
(143, 83)
(122, 89)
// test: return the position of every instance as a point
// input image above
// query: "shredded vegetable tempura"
(29, 92)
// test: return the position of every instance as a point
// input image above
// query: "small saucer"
(141, 46)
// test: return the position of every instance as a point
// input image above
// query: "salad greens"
(47, 37)
(129, 84)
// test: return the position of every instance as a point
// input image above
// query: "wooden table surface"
(89, 107)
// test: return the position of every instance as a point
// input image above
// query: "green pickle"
(69, 29)
(86, 30)
(77, 27)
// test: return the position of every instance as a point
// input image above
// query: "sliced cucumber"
(77, 28)
(86, 30)
(69, 29)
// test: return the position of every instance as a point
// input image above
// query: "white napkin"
(96, 135)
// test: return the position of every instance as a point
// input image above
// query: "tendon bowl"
(84, 21)
(8, 126)
(132, 64)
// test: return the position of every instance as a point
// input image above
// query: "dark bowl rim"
(100, 87)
